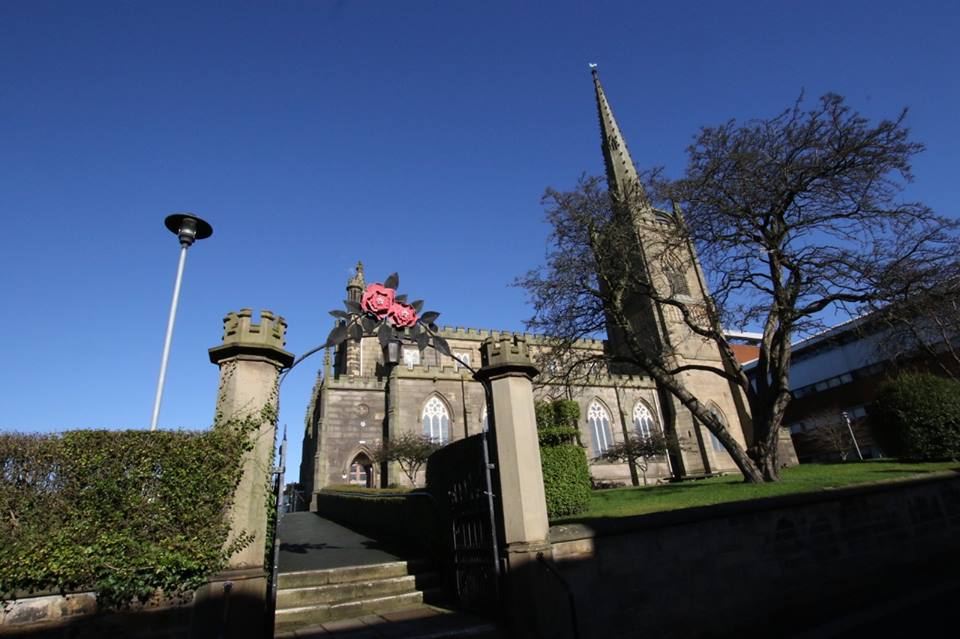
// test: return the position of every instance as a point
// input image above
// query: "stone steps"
(314, 597)
(420, 622)
(348, 574)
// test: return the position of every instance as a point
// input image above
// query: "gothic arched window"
(643, 420)
(676, 276)
(601, 436)
(436, 420)
(714, 440)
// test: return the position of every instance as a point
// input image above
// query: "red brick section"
(745, 352)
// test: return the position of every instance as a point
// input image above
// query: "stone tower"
(671, 267)
(352, 350)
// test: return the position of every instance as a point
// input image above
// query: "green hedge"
(408, 518)
(566, 479)
(918, 417)
(566, 475)
(120, 512)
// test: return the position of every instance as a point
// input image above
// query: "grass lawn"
(623, 502)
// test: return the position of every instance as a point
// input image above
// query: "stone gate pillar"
(508, 370)
(250, 360)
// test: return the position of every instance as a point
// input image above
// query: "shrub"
(409, 518)
(566, 479)
(123, 513)
(566, 476)
(566, 412)
(918, 416)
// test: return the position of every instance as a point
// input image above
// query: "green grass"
(805, 478)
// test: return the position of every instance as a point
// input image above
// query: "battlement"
(480, 334)
(505, 349)
(239, 328)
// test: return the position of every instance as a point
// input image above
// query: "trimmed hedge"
(918, 417)
(408, 518)
(566, 479)
(566, 475)
(123, 513)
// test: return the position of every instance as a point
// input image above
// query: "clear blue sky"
(416, 136)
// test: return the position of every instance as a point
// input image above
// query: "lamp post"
(392, 352)
(188, 228)
(846, 418)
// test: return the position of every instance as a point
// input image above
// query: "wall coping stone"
(611, 526)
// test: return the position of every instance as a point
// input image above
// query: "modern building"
(834, 376)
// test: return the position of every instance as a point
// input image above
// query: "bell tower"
(662, 257)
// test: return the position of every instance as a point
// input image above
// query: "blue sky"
(416, 136)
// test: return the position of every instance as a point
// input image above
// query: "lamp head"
(392, 352)
(188, 227)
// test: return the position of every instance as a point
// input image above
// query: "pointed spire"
(622, 178)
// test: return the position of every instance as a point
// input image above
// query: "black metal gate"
(460, 478)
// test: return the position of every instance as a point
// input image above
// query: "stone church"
(430, 393)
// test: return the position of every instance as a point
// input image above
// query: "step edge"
(322, 587)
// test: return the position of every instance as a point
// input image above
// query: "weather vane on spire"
(592, 65)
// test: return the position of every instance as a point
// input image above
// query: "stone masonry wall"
(757, 568)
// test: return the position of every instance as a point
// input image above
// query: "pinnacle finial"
(356, 280)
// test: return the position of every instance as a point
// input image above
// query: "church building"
(431, 394)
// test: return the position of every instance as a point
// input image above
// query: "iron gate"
(461, 480)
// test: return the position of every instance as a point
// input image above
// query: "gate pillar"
(509, 372)
(233, 603)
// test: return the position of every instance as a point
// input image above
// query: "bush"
(566, 479)
(123, 513)
(409, 518)
(566, 475)
(918, 417)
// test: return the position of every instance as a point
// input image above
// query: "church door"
(361, 471)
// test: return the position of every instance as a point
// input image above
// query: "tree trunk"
(770, 468)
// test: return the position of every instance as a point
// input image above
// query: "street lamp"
(188, 228)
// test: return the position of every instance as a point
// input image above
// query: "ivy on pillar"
(250, 360)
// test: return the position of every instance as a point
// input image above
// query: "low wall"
(760, 567)
(75, 616)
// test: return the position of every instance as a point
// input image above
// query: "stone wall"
(756, 568)
(75, 616)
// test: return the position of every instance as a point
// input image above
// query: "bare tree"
(833, 435)
(409, 450)
(638, 450)
(918, 316)
(792, 216)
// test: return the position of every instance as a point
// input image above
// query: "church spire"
(622, 179)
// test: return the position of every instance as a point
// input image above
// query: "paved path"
(310, 542)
